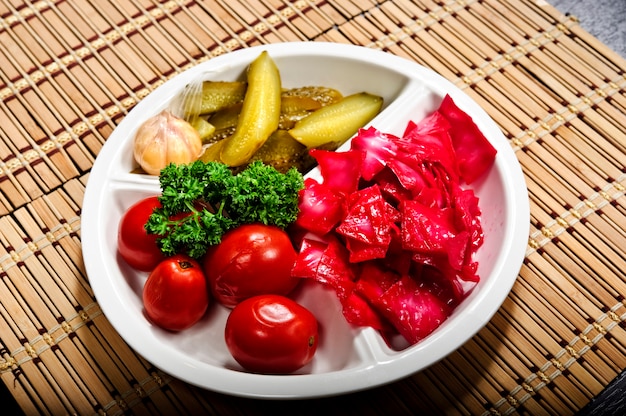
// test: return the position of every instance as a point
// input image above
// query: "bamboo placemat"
(70, 70)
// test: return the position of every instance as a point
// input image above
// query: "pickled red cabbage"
(391, 227)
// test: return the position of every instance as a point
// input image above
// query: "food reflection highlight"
(274, 313)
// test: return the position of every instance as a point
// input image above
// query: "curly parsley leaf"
(201, 201)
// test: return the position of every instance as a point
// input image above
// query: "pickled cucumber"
(257, 119)
(337, 122)
(260, 112)
(220, 94)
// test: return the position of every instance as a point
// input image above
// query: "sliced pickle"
(295, 108)
(323, 95)
(288, 121)
(296, 104)
(220, 94)
(212, 152)
(204, 128)
(225, 122)
(226, 117)
(281, 151)
(260, 112)
(333, 124)
(220, 134)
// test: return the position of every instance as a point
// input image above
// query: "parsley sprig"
(201, 201)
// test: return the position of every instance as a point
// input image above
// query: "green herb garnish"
(201, 201)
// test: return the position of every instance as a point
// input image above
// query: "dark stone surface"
(604, 19)
(611, 401)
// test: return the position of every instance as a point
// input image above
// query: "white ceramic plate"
(347, 359)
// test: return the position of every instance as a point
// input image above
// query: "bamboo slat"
(71, 70)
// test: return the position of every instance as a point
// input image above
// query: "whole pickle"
(260, 112)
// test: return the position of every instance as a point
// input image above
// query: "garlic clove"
(164, 139)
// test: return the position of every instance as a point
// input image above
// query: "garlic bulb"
(164, 139)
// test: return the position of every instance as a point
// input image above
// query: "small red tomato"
(252, 259)
(138, 248)
(271, 334)
(176, 296)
